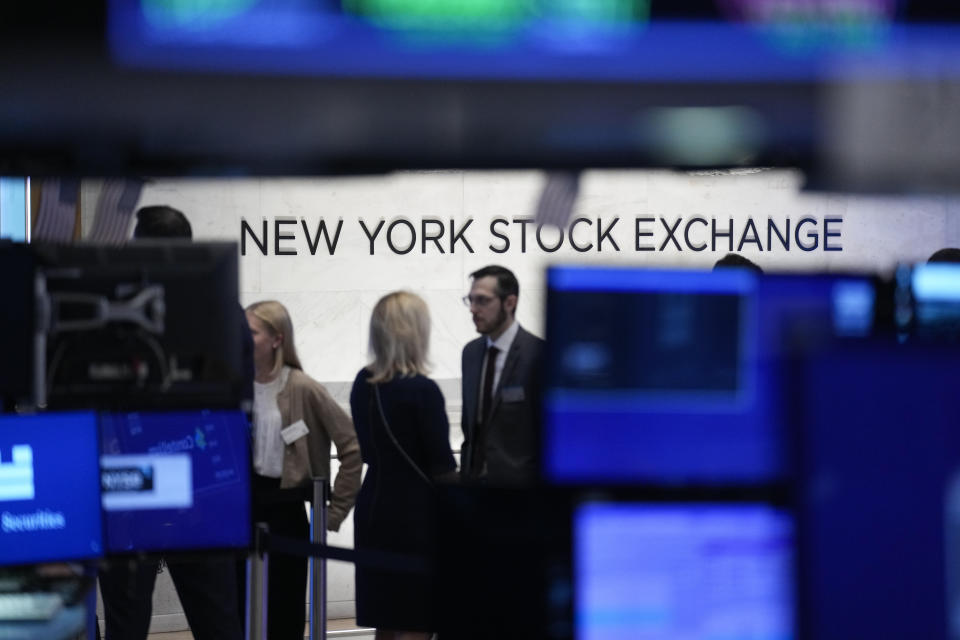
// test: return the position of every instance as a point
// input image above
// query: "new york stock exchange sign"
(286, 236)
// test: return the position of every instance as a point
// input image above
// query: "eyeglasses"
(477, 301)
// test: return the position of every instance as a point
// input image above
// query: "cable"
(386, 425)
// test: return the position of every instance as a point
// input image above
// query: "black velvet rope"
(370, 558)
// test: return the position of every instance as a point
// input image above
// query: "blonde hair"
(274, 315)
(399, 336)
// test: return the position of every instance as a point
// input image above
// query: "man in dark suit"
(501, 371)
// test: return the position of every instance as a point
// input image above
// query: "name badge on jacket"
(512, 394)
(294, 432)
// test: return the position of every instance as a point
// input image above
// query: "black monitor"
(49, 488)
(878, 491)
(144, 326)
(175, 481)
(17, 317)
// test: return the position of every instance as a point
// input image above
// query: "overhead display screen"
(596, 40)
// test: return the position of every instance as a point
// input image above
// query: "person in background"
(206, 586)
(157, 222)
(737, 260)
(294, 422)
(404, 438)
(946, 255)
(500, 373)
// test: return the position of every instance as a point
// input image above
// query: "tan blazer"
(303, 398)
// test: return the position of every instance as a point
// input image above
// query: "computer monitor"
(151, 325)
(878, 487)
(17, 311)
(175, 481)
(659, 377)
(49, 488)
(650, 377)
(683, 571)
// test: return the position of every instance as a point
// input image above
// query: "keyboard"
(29, 606)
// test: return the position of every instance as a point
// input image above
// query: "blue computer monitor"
(676, 377)
(649, 377)
(49, 488)
(879, 491)
(683, 571)
(175, 481)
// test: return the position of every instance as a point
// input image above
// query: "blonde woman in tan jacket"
(294, 422)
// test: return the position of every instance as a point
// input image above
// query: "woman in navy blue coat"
(403, 431)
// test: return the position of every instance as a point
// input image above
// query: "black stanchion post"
(318, 566)
(258, 564)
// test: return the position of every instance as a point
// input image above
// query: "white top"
(267, 443)
(503, 344)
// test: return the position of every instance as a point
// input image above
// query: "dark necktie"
(479, 448)
(489, 371)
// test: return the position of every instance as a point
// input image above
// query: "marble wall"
(330, 296)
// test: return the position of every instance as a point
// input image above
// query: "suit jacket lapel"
(471, 382)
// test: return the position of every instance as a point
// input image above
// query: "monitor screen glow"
(175, 480)
(693, 571)
(49, 488)
(652, 377)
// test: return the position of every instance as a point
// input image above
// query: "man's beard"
(501, 320)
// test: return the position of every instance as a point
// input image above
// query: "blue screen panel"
(49, 488)
(879, 490)
(677, 377)
(175, 480)
(652, 376)
(683, 572)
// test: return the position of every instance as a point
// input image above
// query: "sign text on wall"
(402, 236)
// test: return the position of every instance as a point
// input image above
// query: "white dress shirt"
(503, 344)
(267, 423)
